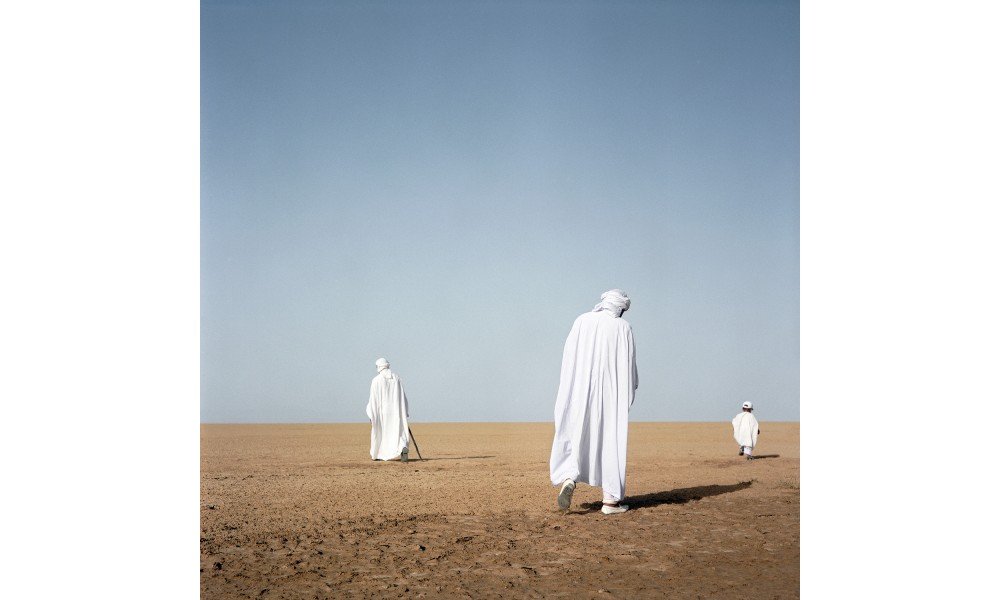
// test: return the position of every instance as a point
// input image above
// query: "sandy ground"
(300, 511)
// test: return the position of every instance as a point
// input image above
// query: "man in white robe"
(388, 411)
(596, 389)
(745, 430)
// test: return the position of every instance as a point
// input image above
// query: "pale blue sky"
(449, 184)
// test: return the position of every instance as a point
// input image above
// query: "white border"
(899, 297)
(99, 231)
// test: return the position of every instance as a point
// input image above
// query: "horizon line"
(436, 422)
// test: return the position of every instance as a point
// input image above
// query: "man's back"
(599, 361)
(383, 386)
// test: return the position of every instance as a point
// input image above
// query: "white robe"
(596, 389)
(745, 429)
(388, 411)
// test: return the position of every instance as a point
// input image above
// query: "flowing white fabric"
(596, 389)
(388, 411)
(745, 429)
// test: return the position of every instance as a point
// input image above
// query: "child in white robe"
(745, 430)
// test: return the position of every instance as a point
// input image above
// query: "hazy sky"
(450, 184)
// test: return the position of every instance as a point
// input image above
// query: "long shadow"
(412, 459)
(763, 456)
(678, 496)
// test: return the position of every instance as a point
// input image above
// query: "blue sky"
(449, 184)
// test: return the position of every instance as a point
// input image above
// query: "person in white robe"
(745, 430)
(388, 411)
(597, 386)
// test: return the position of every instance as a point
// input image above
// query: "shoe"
(566, 494)
(404, 456)
(741, 451)
(614, 510)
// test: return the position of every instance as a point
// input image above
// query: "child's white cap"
(748, 405)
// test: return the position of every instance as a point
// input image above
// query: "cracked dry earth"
(300, 511)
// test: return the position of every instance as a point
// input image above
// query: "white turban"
(614, 300)
(381, 364)
(748, 405)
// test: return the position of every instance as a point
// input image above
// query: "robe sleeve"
(371, 396)
(406, 402)
(635, 371)
(566, 370)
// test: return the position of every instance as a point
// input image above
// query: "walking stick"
(415, 443)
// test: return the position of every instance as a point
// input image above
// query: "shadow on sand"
(415, 459)
(678, 496)
(763, 456)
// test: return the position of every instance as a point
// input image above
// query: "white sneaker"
(614, 510)
(566, 494)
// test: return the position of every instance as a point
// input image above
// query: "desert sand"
(301, 511)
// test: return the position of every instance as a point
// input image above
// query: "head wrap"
(748, 405)
(381, 364)
(615, 301)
